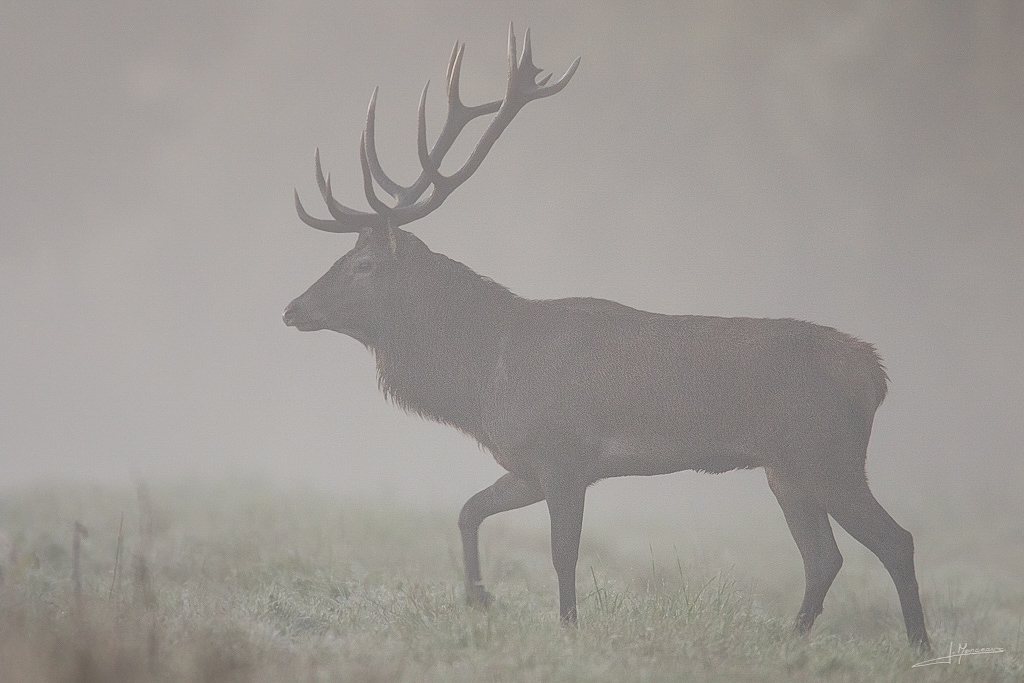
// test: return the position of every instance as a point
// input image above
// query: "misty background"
(860, 165)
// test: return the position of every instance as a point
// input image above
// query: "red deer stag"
(566, 392)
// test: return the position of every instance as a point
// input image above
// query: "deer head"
(351, 296)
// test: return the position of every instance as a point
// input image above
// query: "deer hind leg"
(565, 507)
(508, 493)
(808, 522)
(857, 511)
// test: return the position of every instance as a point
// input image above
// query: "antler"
(522, 87)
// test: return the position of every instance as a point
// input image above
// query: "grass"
(248, 582)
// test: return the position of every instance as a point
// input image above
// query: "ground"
(256, 582)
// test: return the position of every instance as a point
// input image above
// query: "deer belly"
(630, 456)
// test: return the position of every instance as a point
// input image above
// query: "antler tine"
(320, 182)
(383, 210)
(453, 67)
(452, 82)
(557, 86)
(382, 178)
(513, 65)
(526, 61)
(345, 219)
(458, 113)
(319, 223)
(466, 114)
(338, 210)
(430, 170)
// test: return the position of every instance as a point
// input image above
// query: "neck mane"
(441, 338)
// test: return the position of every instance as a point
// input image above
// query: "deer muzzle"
(296, 316)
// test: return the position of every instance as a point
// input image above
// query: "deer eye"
(364, 266)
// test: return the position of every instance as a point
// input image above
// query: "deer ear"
(384, 237)
(392, 240)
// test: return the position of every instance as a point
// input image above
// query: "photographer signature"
(961, 652)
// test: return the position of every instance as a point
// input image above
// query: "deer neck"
(441, 341)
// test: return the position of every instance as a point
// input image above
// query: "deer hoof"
(804, 621)
(477, 596)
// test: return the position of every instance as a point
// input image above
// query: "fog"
(860, 165)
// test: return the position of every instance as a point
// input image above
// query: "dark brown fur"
(567, 392)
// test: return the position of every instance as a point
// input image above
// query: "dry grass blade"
(117, 560)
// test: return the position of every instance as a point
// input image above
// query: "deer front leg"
(510, 492)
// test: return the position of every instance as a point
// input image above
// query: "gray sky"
(856, 164)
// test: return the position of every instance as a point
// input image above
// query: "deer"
(566, 392)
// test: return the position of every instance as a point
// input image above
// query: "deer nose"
(289, 316)
(298, 316)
